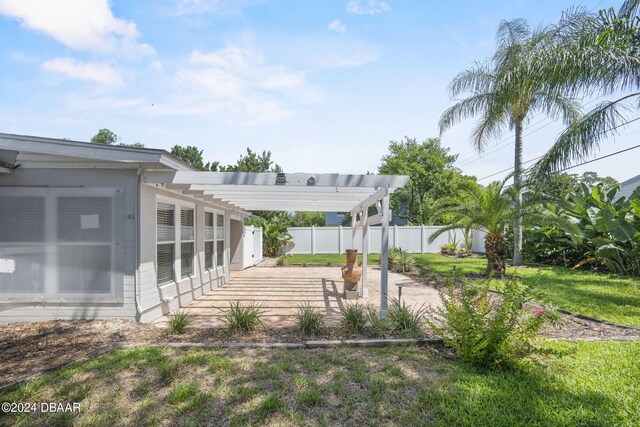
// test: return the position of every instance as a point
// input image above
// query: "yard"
(605, 296)
(578, 384)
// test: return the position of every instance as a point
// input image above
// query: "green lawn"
(574, 384)
(605, 296)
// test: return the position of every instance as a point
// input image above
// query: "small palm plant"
(490, 208)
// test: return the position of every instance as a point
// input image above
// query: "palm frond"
(583, 137)
(464, 109)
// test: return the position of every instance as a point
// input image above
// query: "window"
(186, 242)
(209, 240)
(220, 240)
(165, 219)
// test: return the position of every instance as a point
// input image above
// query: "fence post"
(340, 242)
(422, 239)
(395, 237)
(313, 240)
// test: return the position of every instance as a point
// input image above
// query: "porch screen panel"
(22, 245)
(85, 240)
(59, 244)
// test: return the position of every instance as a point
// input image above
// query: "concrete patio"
(281, 290)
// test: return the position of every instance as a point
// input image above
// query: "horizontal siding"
(155, 300)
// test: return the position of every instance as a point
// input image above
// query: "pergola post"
(364, 291)
(384, 270)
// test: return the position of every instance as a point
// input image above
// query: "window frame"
(219, 238)
(192, 241)
(211, 240)
(166, 201)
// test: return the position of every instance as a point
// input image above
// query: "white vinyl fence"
(414, 239)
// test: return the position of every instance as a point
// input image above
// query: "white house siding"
(155, 300)
(629, 186)
(125, 208)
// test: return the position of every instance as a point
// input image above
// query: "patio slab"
(281, 290)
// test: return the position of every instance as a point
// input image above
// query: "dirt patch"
(30, 349)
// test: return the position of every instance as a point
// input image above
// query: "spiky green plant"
(243, 319)
(179, 321)
(354, 318)
(405, 319)
(310, 320)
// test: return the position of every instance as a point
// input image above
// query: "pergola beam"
(274, 179)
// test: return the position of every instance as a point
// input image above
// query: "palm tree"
(504, 92)
(490, 208)
(594, 54)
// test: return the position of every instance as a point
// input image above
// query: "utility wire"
(580, 164)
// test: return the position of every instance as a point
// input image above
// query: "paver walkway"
(281, 290)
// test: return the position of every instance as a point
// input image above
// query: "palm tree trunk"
(496, 251)
(517, 182)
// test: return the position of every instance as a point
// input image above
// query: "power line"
(580, 164)
(510, 141)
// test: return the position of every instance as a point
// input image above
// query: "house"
(629, 186)
(98, 231)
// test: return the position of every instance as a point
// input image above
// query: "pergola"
(290, 192)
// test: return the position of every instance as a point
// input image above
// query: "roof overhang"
(281, 192)
(35, 151)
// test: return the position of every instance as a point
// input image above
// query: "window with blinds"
(209, 239)
(187, 242)
(165, 252)
(220, 240)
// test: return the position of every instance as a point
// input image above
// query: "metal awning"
(281, 192)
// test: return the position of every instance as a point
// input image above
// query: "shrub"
(483, 330)
(378, 326)
(401, 261)
(404, 319)
(239, 319)
(179, 321)
(354, 318)
(309, 319)
(551, 314)
(281, 261)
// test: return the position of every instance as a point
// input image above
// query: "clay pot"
(351, 274)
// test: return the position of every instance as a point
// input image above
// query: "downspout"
(136, 289)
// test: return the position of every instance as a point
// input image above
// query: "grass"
(605, 296)
(588, 383)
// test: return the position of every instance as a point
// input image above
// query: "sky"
(323, 85)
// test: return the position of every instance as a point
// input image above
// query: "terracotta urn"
(351, 273)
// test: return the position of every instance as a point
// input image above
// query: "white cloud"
(337, 26)
(239, 80)
(100, 73)
(367, 7)
(211, 6)
(78, 24)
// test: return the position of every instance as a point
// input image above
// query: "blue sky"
(324, 85)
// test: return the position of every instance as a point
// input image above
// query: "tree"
(193, 156)
(490, 208)
(433, 176)
(597, 54)
(105, 136)
(505, 91)
(308, 219)
(253, 162)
